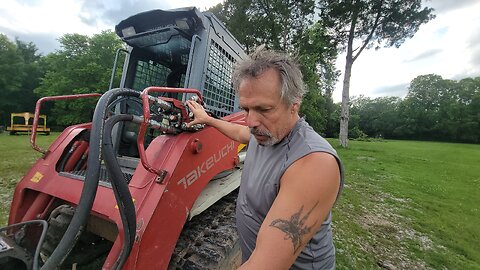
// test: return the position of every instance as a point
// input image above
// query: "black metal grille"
(218, 93)
(150, 73)
(104, 178)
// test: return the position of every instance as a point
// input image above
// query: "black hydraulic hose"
(39, 245)
(40, 240)
(82, 211)
(120, 188)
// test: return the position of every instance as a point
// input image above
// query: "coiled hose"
(82, 211)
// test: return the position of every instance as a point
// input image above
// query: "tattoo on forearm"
(294, 228)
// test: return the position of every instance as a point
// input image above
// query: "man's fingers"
(190, 104)
(191, 123)
(198, 111)
(194, 105)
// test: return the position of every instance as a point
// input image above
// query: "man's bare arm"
(235, 132)
(308, 190)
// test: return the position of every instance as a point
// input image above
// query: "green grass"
(16, 158)
(405, 204)
(409, 205)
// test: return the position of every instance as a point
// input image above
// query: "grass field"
(16, 157)
(405, 205)
(409, 205)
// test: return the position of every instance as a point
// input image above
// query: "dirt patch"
(390, 236)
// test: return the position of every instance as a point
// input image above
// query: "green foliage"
(289, 26)
(356, 133)
(434, 109)
(333, 119)
(278, 24)
(377, 117)
(317, 55)
(20, 72)
(83, 65)
(314, 110)
(375, 23)
(439, 109)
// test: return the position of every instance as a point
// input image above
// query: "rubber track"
(90, 251)
(209, 240)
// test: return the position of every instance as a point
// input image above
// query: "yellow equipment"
(26, 125)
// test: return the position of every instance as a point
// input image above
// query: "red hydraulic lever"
(146, 119)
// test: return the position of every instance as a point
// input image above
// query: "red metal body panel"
(44, 169)
(162, 208)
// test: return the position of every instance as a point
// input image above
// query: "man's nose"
(251, 118)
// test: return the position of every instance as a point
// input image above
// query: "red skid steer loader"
(136, 188)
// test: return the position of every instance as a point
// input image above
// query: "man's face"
(268, 118)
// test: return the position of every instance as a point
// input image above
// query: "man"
(291, 176)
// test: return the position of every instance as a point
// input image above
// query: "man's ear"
(296, 106)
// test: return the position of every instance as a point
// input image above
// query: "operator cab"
(181, 48)
(160, 45)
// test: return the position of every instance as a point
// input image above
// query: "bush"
(357, 133)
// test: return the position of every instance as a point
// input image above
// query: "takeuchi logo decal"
(205, 166)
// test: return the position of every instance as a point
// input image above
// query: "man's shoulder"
(307, 139)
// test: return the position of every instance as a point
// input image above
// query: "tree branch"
(375, 25)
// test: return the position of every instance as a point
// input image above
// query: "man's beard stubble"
(272, 140)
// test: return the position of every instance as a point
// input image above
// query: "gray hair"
(261, 60)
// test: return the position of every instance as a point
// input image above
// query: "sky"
(448, 45)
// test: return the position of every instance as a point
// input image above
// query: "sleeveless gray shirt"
(263, 169)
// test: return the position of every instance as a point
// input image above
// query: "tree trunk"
(345, 115)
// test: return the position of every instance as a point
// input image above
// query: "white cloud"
(44, 21)
(50, 16)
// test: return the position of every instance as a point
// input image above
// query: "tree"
(82, 65)
(289, 26)
(468, 108)
(441, 109)
(278, 24)
(377, 117)
(32, 74)
(234, 15)
(314, 110)
(10, 76)
(317, 56)
(20, 73)
(363, 24)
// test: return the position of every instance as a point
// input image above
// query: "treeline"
(83, 64)
(434, 109)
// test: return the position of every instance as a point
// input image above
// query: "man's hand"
(234, 131)
(201, 116)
